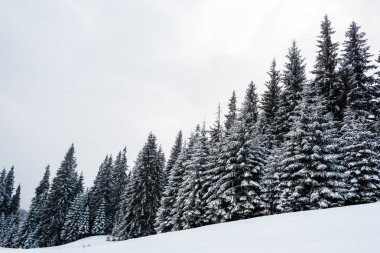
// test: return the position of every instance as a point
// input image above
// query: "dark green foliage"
(293, 79)
(231, 116)
(62, 193)
(145, 193)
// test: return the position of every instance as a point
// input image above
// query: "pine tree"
(360, 160)
(175, 151)
(293, 80)
(145, 193)
(271, 180)
(310, 175)
(237, 193)
(192, 188)
(61, 195)
(100, 223)
(15, 201)
(271, 97)
(119, 183)
(102, 190)
(10, 233)
(326, 77)
(7, 192)
(70, 231)
(355, 64)
(270, 103)
(84, 223)
(231, 116)
(28, 237)
(249, 111)
(168, 210)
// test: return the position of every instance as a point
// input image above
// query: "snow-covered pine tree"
(249, 111)
(271, 180)
(100, 222)
(293, 80)
(360, 159)
(118, 184)
(175, 151)
(101, 190)
(192, 188)
(237, 193)
(120, 214)
(355, 65)
(84, 222)
(270, 102)
(231, 115)
(168, 210)
(144, 195)
(8, 187)
(326, 77)
(310, 176)
(10, 233)
(70, 231)
(28, 230)
(62, 193)
(15, 201)
(211, 175)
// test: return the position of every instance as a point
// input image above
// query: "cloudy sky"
(103, 74)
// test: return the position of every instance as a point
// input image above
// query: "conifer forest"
(309, 141)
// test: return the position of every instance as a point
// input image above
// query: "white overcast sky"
(103, 74)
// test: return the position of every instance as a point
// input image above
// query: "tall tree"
(311, 177)
(231, 116)
(175, 151)
(360, 160)
(192, 188)
(101, 190)
(216, 130)
(326, 77)
(119, 179)
(356, 64)
(237, 193)
(168, 210)
(62, 193)
(145, 193)
(29, 230)
(293, 80)
(100, 223)
(270, 103)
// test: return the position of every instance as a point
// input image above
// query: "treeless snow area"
(344, 229)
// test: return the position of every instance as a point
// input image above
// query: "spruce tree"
(356, 64)
(237, 193)
(62, 193)
(145, 193)
(310, 176)
(100, 223)
(70, 231)
(175, 151)
(101, 190)
(326, 76)
(360, 160)
(293, 80)
(118, 184)
(168, 209)
(28, 236)
(192, 188)
(231, 116)
(270, 103)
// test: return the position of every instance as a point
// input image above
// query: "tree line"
(303, 145)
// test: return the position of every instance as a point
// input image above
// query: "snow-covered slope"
(346, 229)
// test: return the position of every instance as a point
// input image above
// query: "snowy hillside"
(346, 229)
